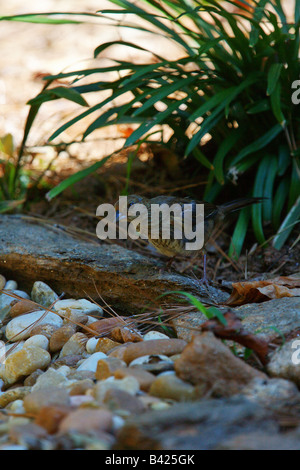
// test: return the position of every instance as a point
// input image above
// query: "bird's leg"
(204, 279)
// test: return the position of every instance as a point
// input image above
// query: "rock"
(90, 320)
(16, 407)
(188, 325)
(24, 362)
(91, 362)
(258, 440)
(86, 421)
(76, 374)
(22, 307)
(155, 364)
(107, 366)
(8, 300)
(50, 417)
(80, 387)
(12, 395)
(68, 264)
(268, 320)
(4, 314)
(2, 282)
(154, 403)
(42, 294)
(201, 425)
(154, 346)
(206, 361)
(50, 379)
(71, 360)
(11, 285)
(172, 387)
(128, 384)
(12, 447)
(273, 393)
(38, 340)
(14, 329)
(81, 306)
(78, 400)
(75, 317)
(104, 326)
(154, 335)
(61, 336)
(37, 399)
(11, 348)
(125, 334)
(285, 362)
(29, 434)
(75, 345)
(272, 319)
(32, 378)
(118, 351)
(91, 345)
(105, 344)
(150, 359)
(118, 400)
(45, 329)
(143, 377)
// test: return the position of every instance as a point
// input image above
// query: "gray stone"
(202, 425)
(269, 320)
(68, 264)
(271, 392)
(285, 362)
(42, 294)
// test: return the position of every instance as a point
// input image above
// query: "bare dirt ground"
(30, 51)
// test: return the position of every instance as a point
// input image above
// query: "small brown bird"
(214, 215)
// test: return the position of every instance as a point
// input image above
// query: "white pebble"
(117, 422)
(147, 359)
(64, 370)
(91, 320)
(128, 384)
(91, 345)
(11, 348)
(77, 400)
(6, 299)
(1, 381)
(166, 372)
(154, 335)
(91, 362)
(14, 329)
(38, 340)
(12, 447)
(11, 285)
(87, 307)
(16, 407)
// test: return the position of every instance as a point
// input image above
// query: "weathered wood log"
(31, 251)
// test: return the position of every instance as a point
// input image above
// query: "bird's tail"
(238, 204)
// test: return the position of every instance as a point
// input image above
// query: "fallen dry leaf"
(260, 291)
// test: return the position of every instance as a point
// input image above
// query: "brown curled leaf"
(260, 291)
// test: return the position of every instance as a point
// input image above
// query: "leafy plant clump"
(234, 81)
